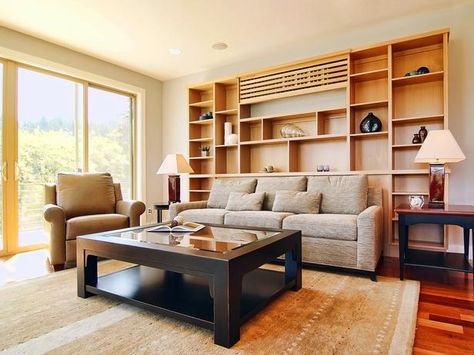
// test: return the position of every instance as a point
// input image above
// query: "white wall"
(461, 83)
(33, 51)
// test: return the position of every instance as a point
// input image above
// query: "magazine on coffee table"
(186, 227)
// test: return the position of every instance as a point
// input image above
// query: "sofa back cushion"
(341, 194)
(297, 202)
(271, 185)
(221, 188)
(241, 201)
(85, 194)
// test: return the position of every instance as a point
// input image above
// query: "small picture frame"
(416, 201)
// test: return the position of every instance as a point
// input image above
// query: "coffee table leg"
(227, 292)
(86, 272)
(293, 265)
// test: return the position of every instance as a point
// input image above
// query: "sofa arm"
(56, 227)
(133, 209)
(369, 237)
(177, 208)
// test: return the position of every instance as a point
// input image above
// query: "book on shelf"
(186, 227)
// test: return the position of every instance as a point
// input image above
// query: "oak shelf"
(230, 112)
(418, 79)
(370, 134)
(417, 119)
(207, 103)
(205, 139)
(370, 75)
(202, 122)
(406, 146)
(370, 104)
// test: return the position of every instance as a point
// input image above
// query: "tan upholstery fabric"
(221, 188)
(370, 238)
(341, 194)
(240, 201)
(342, 253)
(177, 208)
(50, 194)
(297, 202)
(94, 224)
(271, 185)
(329, 226)
(85, 194)
(205, 215)
(258, 219)
(132, 209)
(56, 228)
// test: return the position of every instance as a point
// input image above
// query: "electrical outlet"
(150, 211)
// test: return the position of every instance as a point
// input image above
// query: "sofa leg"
(58, 267)
(373, 277)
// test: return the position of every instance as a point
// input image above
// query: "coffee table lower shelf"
(187, 297)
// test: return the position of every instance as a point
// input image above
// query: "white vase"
(228, 133)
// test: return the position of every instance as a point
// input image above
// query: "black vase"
(370, 123)
(423, 132)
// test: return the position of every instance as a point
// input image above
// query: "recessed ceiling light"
(219, 46)
(175, 51)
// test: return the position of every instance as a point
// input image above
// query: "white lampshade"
(439, 147)
(174, 164)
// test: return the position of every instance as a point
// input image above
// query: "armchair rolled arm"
(133, 209)
(177, 208)
(56, 226)
(369, 237)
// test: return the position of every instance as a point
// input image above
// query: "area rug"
(331, 314)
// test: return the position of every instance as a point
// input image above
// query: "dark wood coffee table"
(212, 279)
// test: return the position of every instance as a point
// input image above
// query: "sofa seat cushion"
(270, 185)
(204, 215)
(94, 224)
(257, 219)
(329, 226)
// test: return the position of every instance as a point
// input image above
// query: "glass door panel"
(110, 136)
(49, 121)
(2, 244)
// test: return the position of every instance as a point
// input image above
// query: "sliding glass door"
(49, 121)
(51, 124)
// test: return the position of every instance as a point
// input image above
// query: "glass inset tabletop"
(216, 239)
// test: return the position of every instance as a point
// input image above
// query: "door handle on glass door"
(4, 171)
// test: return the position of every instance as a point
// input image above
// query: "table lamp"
(439, 148)
(173, 165)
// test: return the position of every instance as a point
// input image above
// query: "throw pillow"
(341, 194)
(270, 185)
(241, 201)
(297, 202)
(221, 188)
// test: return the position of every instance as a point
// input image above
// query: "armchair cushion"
(85, 194)
(94, 224)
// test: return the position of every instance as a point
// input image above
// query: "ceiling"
(137, 34)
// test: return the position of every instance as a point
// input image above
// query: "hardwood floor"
(445, 322)
(445, 311)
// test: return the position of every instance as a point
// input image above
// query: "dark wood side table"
(160, 207)
(461, 215)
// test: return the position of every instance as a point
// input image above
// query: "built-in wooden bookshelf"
(327, 97)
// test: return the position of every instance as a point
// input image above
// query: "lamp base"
(174, 189)
(437, 172)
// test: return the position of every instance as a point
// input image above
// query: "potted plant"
(205, 150)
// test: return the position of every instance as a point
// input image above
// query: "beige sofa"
(83, 204)
(345, 234)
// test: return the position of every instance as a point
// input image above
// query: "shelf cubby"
(423, 99)
(332, 121)
(227, 159)
(369, 90)
(200, 130)
(200, 183)
(410, 183)
(403, 159)
(202, 166)
(253, 158)
(226, 95)
(250, 130)
(201, 95)
(358, 113)
(369, 60)
(362, 150)
(271, 126)
(306, 155)
(220, 120)
(403, 132)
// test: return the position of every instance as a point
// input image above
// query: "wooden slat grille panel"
(315, 75)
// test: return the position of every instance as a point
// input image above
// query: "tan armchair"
(83, 204)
